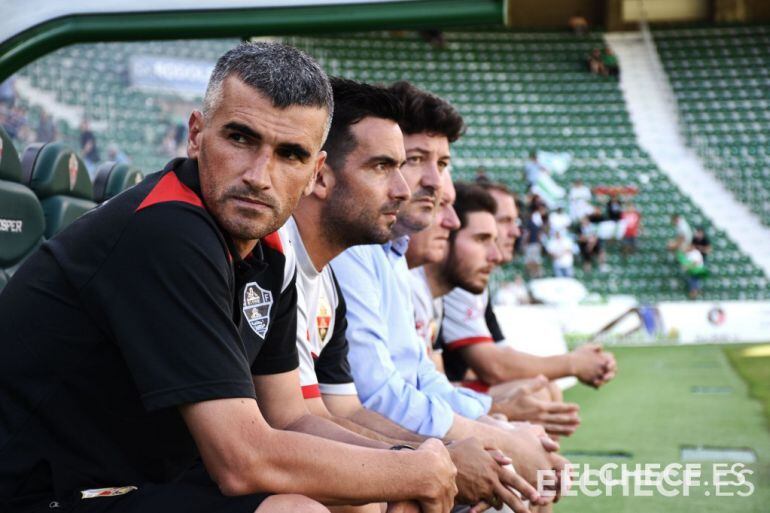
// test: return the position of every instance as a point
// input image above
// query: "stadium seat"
(112, 179)
(60, 180)
(21, 217)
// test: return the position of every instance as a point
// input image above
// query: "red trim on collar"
(170, 188)
(273, 240)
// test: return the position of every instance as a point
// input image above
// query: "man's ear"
(195, 127)
(319, 164)
(324, 183)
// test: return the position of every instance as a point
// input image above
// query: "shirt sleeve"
(492, 325)
(307, 375)
(166, 292)
(464, 322)
(380, 385)
(279, 353)
(332, 367)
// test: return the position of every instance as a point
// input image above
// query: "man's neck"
(437, 282)
(244, 246)
(320, 248)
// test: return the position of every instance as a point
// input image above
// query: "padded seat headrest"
(21, 222)
(112, 179)
(53, 169)
(10, 166)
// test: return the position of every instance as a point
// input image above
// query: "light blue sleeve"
(464, 401)
(380, 386)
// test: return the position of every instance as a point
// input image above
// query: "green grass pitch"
(650, 412)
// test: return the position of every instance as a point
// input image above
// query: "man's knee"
(290, 503)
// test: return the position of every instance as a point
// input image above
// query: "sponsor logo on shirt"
(256, 308)
(95, 493)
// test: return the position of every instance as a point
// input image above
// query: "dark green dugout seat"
(60, 180)
(112, 179)
(21, 217)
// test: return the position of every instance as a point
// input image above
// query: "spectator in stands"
(694, 269)
(633, 222)
(166, 358)
(46, 129)
(115, 154)
(578, 24)
(614, 207)
(558, 221)
(560, 248)
(683, 237)
(433, 37)
(533, 169)
(533, 251)
(610, 62)
(595, 62)
(591, 249)
(701, 242)
(88, 147)
(579, 200)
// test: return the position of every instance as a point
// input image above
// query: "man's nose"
(399, 189)
(494, 254)
(257, 175)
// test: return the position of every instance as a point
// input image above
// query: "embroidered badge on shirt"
(256, 307)
(323, 317)
(106, 492)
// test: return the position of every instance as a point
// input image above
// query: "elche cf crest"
(256, 308)
(323, 317)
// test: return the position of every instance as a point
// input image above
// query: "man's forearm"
(384, 426)
(512, 365)
(333, 430)
(371, 434)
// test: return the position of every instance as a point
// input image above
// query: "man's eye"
(288, 155)
(240, 139)
(443, 165)
(414, 160)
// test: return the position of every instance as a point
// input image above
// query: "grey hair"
(287, 76)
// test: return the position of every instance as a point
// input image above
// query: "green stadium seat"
(60, 180)
(112, 179)
(21, 216)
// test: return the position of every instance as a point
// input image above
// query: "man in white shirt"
(353, 202)
(470, 328)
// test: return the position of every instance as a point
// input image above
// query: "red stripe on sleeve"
(311, 391)
(463, 342)
(170, 188)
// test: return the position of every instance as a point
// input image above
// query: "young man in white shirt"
(470, 328)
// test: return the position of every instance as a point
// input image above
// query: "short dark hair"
(354, 101)
(472, 198)
(489, 185)
(285, 75)
(427, 113)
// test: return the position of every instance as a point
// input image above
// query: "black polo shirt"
(139, 306)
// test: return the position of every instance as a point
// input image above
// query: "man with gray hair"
(147, 353)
